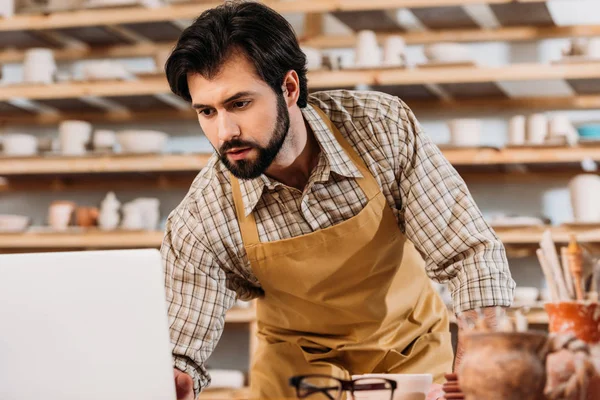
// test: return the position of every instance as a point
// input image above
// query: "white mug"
(104, 139)
(149, 208)
(314, 58)
(73, 137)
(7, 8)
(368, 53)
(59, 214)
(516, 130)
(132, 217)
(584, 190)
(465, 132)
(592, 48)
(537, 128)
(393, 53)
(560, 126)
(39, 66)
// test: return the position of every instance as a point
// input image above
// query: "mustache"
(233, 143)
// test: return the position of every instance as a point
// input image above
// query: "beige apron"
(349, 299)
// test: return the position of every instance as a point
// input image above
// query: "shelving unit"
(141, 32)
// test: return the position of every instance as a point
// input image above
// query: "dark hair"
(263, 35)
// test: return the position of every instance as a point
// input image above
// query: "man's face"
(244, 120)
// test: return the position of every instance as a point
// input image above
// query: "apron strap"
(367, 183)
(248, 227)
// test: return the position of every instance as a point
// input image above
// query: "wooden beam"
(127, 15)
(513, 33)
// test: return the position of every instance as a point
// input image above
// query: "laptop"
(86, 325)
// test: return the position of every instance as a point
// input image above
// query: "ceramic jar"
(512, 365)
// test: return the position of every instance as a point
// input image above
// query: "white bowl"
(13, 223)
(447, 52)
(105, 70)
(19, 144)
(142, 141)
(526, 294)
(409, 386)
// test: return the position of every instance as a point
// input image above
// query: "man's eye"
(241, 104)
(207, 112)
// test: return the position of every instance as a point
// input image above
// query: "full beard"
(251, 169)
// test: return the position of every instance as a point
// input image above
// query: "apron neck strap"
(248, 227)
(367, 183)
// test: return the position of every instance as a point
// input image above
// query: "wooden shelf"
(534, 317)
(129, 15)
(520, 155)
(464, 87)
(193, 163)
(156, 84)
(102, 164)
(96, 239)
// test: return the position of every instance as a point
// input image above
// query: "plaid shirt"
(206, 264)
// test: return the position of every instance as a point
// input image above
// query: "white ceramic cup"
(314, 58)
(368, 53)
(149, 208)
(7, 8)
(537, 128)
(132, 217)
(408, 386)
(465, 132)
(39, 66)
(59, 215)
(516, 130)
(73, 136)
(560, 126)
(19, 144)
(584, 190)
(592, 47)
(104, 139)
(393, 51)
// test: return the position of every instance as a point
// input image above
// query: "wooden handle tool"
(576, 266)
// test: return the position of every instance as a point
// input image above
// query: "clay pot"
(583, 321)
(579, 319)
(512, 365)
(87, 216)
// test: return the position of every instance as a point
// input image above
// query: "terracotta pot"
(87, 216)
(583, 321)
(512, 365)
(579, 319)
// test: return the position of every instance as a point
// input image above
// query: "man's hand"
(184, 385)
(435, 392)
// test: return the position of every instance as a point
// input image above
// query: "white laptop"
(84, 326)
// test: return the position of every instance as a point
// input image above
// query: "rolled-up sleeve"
(197, 297)
(446, 226)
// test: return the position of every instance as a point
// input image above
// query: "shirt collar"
(333, 158)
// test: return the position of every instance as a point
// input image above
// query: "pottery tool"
(549, 276)
(549, 248)
(576, 266)
(564, 256)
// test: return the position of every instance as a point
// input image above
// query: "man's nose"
(228, 128)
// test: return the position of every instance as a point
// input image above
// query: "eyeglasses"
(325, 387)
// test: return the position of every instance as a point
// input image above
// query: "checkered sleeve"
(197, 296)
(446, 226)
